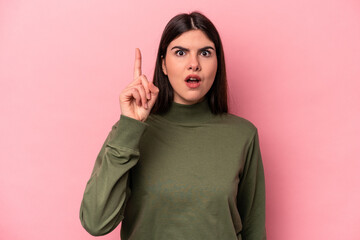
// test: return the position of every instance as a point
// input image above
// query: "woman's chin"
(189, 100)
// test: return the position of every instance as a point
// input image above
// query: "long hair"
(217, 95)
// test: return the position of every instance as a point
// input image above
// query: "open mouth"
(192, 79)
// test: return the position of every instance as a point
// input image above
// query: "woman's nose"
(194, 64)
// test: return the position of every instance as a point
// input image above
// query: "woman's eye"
(180, 53)
(205, 53)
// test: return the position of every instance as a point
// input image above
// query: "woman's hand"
(137, 99)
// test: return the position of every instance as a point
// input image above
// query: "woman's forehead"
(192, 39)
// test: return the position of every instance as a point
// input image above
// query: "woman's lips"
(193, 81)
(193, 84)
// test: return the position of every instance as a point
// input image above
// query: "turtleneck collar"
(181, 113)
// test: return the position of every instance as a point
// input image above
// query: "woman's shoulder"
(237, 123)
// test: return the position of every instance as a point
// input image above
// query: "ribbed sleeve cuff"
(128, 133)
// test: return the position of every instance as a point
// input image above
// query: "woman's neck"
(183, 113)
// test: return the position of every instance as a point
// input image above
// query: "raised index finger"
(137, 65)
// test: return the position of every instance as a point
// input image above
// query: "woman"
(177, 165)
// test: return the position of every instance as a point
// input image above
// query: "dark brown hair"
(217, 95)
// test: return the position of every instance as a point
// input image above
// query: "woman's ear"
(163, 65)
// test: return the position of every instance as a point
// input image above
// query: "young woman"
(177, 165)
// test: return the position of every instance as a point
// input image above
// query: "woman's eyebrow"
(185, 49)
(206, 48)
(181, 48)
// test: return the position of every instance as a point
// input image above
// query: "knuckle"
(143, 77)
(139, 87)
(134, 91)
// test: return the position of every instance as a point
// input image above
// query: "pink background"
(293, 69)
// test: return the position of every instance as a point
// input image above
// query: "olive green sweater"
(187, 174)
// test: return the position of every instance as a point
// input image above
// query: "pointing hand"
(137, 99)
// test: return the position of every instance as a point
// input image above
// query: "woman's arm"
(251, 194)
(108, 189)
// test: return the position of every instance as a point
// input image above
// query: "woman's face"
(190, 64)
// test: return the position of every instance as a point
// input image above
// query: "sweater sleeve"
(107, 191)
(251, 194)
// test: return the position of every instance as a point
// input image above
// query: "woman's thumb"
(154, 94)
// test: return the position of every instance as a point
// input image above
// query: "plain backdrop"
(293, 70)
